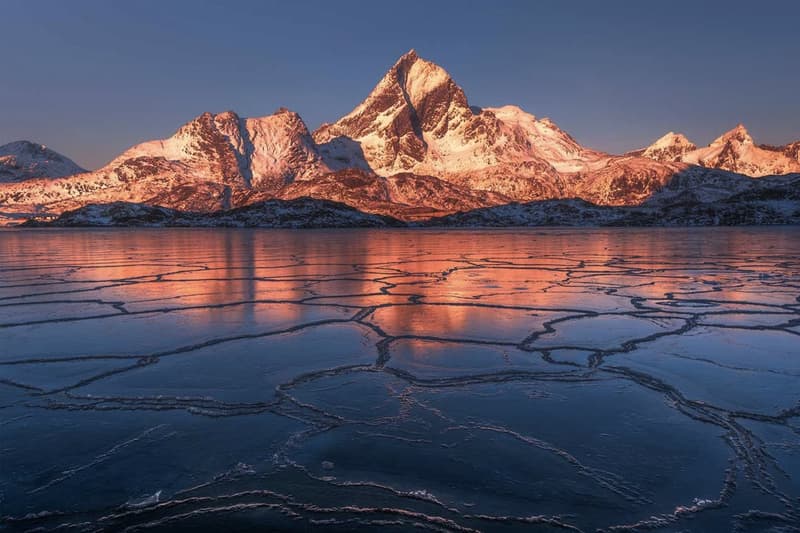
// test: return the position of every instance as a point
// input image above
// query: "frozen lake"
(469, 380)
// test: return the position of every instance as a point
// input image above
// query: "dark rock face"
(791, 150)
(299, 213)
(569, 213)
(728, 158)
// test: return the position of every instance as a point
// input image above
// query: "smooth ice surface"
(466, 380)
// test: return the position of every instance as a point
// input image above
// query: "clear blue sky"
(91, 77)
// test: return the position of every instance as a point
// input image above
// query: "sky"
(90, 78)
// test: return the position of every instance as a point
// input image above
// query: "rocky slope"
(774, 200)
(23, 160)
(405, 195)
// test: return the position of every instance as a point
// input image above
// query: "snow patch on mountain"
(671, 147)
(299, 213)
(546, 140)
(23, 160)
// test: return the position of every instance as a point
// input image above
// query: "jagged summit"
(425, 85)
(264, 152)
(23, 160)
(669, 147)
(418, 119)
(214, 161)
(739, 134)
(414, 102)
(671, 138)
(734, 151)
(406, 61)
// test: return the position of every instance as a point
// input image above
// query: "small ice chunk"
(145, 502)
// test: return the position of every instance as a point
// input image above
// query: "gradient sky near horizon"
(90, 78)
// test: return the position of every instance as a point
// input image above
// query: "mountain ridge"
(734, 150)
(413, 148)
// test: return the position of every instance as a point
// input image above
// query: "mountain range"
(413, 150)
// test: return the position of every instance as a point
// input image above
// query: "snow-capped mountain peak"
(415, 102)
(22, 160)
(423, 82)
(544, 139)
(214, 161)
(264, 152)
(280, 149)
(417, 119)
(669, 147)
(739, 135)
(734, 151)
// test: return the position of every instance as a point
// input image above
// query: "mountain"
(733, 151)
(418, 120)
(212, 162)
(263, 153)
(414, 149)
(23, 160)
(671, 147)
